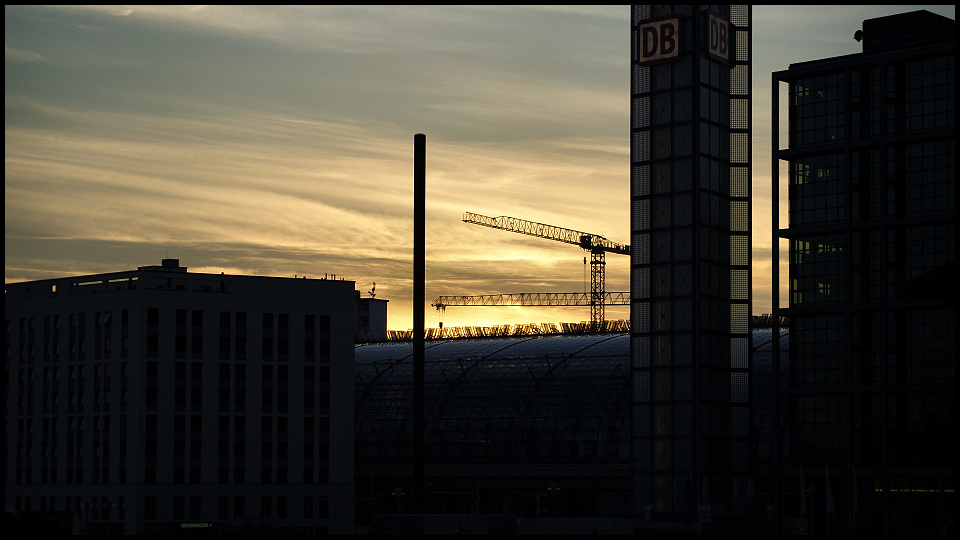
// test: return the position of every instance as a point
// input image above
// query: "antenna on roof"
(373, 291)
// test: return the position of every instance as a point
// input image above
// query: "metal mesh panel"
(682, 175)
(661, 10)
(661, 212)
(641, 386)
(661, 109)
(739, 113)
(715, 106)
(739, 285)
(739, 148)
(660, 76)
(682, 245)
(739, 456)
(739, 319)
(661, 456)
(660, 250)
(682, 211)
(740, 80)
(641, 248)
(682, 279)
(641, 77)
(641, 282)
(641, 146)
(641, 351)
(739, 388)
(739, 185)
(641, 13)
(682, 314)
(661, 357)
(661, 316)
(682, 422)
(738, 417)
(661, 178)
(641, 112)
(683, 69)
(743, 45)
(682, 143)
(641, 214)
(714, 220)
(682, 349)
(715, 141)
(661, 389)
(661, 143)
(740, 15)
(641, 180)
(739, 352)
(682, 106)
(661, 281)
(739, 250)
(641, 317)
(739, 216)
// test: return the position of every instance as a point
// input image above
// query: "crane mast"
(596, 244)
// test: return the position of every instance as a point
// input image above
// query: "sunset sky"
(278, 141)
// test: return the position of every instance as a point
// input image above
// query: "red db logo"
(719, 38)
(658, 40)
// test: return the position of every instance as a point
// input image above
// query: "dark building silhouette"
(690, 183)
(872, 284)
(507, 419)
(162, 401)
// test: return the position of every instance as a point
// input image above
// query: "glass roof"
(559, 398)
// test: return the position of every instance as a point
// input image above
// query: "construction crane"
(531, 299)
(596, 244)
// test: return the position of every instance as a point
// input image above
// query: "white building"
(158, 400)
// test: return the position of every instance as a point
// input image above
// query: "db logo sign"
(718, 41)
(658, 40)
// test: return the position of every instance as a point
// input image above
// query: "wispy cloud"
(11, 54)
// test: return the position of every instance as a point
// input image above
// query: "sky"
(278, 141)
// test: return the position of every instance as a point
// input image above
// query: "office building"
(162, 401)
(872, 285)
(690, 178)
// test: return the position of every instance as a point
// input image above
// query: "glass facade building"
(872, 294)
(690, 182)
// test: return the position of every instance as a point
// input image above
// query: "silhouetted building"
(371, 316)
(163, 401)
(872, 310)
(690, 183)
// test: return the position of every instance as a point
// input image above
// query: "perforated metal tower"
(690, 295)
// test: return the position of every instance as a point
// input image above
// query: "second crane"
(596, 244)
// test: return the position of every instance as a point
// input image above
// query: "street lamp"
(398, 493)
(553, 489)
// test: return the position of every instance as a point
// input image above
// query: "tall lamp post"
(398, 493)
(553, 489)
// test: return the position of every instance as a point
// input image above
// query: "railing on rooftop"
(506, 330)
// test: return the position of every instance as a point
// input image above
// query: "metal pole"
(775, 290)
(419, 277)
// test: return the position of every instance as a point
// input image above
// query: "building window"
(817, 110)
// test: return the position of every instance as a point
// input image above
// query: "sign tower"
(690, 179)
